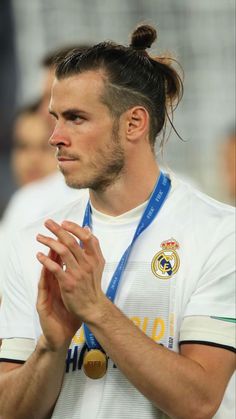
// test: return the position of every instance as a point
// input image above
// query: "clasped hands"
(70, 284)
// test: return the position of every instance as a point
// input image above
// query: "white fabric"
(195, 328)
(34, 200)
(201, 286)
(28, 204)
(17, 349)
(207, 329)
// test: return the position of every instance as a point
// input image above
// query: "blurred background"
(201, 35)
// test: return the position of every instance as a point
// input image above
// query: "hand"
(59, 326)
(80, 283)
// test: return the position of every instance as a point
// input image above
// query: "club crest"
(166, 262)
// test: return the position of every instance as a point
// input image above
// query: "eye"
(76, 118)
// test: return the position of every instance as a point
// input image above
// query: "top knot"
(143, 37)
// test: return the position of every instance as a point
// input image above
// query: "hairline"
(136, 97)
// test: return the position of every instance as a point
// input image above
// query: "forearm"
(175, 384)
(32, 389)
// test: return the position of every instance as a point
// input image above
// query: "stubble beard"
(105, 169)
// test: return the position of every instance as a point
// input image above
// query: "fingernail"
(88, 232)
(49, 223)
(65, 223)
(88, 229)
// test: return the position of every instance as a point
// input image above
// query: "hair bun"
(143, 37)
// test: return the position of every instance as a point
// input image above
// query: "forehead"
(80, 89)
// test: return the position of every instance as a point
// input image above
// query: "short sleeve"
(17, 311)
(214, 294)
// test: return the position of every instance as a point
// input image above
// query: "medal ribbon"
(154, 205)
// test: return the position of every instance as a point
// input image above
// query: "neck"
(131, 189)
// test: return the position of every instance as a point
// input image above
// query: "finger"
(54, 256)
(43, 289)
(66, 238)
(51, 266)
(48, 288)
(90, 242)
(63, 253)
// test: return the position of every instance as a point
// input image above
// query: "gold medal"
(95, 364)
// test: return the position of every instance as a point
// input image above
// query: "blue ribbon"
(154, 205)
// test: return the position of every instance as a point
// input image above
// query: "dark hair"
(131, 77)
(53, 57)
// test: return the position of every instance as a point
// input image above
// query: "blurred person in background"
(32, 158)
(169, 338)
(37, 199)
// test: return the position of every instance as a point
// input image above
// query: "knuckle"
(56, 269)
(88, 265)
(95, 240)
(64, 251)
(88, 269)
(57, 229)
(86, 238)
(100, 261)
(73, 243)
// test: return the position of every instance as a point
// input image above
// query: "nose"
(59, 137)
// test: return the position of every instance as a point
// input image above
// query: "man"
(32, 158)
(164, 348)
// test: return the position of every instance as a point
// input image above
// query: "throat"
(117, 200)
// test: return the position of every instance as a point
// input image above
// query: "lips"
(62, 159)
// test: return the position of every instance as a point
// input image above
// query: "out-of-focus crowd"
(41, 187)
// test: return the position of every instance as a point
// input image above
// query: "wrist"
(100, 313)
(45, 346)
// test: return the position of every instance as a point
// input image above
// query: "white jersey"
(180, 269)
(28, 204)
(33, 201)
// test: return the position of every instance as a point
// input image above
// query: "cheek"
(93, 136)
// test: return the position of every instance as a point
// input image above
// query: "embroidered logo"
(166, 262)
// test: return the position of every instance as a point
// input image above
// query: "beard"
(104, 168)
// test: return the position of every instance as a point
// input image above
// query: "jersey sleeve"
(16, 350)
(17, 313)
(214, 293)
(209, 331)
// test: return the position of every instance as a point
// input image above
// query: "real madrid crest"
(166, 262)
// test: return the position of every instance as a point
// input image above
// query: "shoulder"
(39, 198)
(192, 204)
(206, 227)
(73, 211)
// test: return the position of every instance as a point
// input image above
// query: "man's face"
(88, 141)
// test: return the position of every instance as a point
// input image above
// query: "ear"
(137, 123)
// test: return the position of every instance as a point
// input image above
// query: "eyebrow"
(68, 113)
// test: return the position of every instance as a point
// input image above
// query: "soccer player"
(135, 296)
